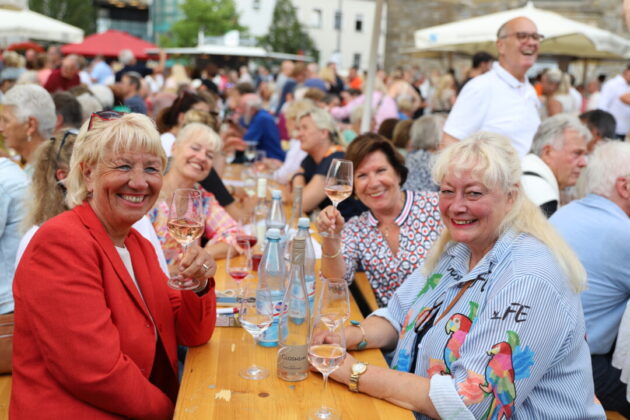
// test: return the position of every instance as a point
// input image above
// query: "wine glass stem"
(324, 393)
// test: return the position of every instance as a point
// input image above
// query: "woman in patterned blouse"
(193, 153)
(391, 239)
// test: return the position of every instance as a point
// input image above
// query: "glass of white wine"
(334, 302)
(185, 224)
(326, 352)
(250, 151)
(338, 184)
(255, 316)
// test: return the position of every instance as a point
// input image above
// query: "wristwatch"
(363, 343)
(358, 369)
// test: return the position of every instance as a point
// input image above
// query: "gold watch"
(358, 369)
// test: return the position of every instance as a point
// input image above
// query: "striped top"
(363, 243)
(511, 347)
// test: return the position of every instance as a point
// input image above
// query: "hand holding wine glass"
(255, 316)
(185, 224)
(334, 302)
(326, 352)
(338, 184)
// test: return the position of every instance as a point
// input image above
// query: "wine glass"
(239, 262)
(250, 151)
(334, 302)
(338, 184)
(255, 316)
(185, 224)
(326, 352)
(259, 161)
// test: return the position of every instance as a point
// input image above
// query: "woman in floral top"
(492, 327)
(391, 239)
(193, 153)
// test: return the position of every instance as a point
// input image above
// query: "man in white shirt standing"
(610, 100)
(501, 100)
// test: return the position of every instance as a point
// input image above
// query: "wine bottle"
(295, 320)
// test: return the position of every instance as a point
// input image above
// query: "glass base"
(254, 373)
(324, 413)
(180, 282)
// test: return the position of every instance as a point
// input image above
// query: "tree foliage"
(79, 13)
(286, 33)
(215, 17)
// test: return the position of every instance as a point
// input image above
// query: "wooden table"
(212, 388)
(5, 396)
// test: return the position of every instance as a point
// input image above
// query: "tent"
(563, 36)
(25, 24)
(109, 44)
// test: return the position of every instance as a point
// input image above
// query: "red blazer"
(84, 339)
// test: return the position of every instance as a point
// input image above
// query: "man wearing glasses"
(501, 100)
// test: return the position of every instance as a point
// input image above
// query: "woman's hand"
(329, 220)
(343, 372)
(197, 263)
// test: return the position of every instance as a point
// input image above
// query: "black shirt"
(214, 184)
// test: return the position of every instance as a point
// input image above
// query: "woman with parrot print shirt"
(491, 327)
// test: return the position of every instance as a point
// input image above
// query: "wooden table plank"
(5, 396)
(212, 388)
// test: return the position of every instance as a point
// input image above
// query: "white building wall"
(318, 18)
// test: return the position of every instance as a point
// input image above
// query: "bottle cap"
(262, 188)
(276, 194)
(273, 233)
(304, 222)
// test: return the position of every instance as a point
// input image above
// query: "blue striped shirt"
(511, 347)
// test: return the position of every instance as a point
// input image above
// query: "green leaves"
(79, 13)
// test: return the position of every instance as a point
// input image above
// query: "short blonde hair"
(199, 131)
(129, 132)
(494, 162)
(324, 121)
(296, 108)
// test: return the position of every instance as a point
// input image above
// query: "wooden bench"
(613, 415)
(5, 395)
(363, 294)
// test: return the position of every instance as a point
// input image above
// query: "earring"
(29, 138)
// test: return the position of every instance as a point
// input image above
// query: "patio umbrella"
(109, 44)
(563, 36)
(23, 46)
(27, 24)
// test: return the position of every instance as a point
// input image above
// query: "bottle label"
(293, 361)
(309, 280)
(269, 338)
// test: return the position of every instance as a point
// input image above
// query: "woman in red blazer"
(96, 326)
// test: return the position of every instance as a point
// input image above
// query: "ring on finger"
(205, 267)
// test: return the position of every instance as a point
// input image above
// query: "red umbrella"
(109, 44)
(28, 45)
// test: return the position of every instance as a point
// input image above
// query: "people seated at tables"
(426, 132)
(492, 326)
(556, 160)
(48, 193)
(320, 139)
(602, 126)
(260, 127)
(27, 119)
(295, 155)
(96, 325)
(597, 227)
(389, 240)
(13, 193)
(193, 153)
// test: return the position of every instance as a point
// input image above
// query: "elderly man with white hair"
(556, 160)
(65, 77)
(597, 227)
(260, 125)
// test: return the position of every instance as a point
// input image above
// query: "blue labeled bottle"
(309, 259)
(272, 272)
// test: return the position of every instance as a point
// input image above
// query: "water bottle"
(295, 321)
(309, 259)
(276, 218)
(260, 220)
(272, 273)
(296, 209)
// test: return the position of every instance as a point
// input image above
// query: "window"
(356, 60)
(316, 18)
(358, 23)
(338, 17)
(256, 4)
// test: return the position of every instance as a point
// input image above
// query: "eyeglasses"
(62, 143)
(104, 116)
(523, 36)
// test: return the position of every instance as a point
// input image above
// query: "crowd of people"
(490, 215)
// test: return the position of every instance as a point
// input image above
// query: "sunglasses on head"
(62, 143)
(104, 116)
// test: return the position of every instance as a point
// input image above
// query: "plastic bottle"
(295, 321)
(272, 272)
(309, 259)
(296, 210)
(260, 220)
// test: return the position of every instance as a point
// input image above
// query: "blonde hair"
(493, 161)
(50, 156)
(202, 132)
(120, 135)
(202, 117)
(324, 121)
(296, 108)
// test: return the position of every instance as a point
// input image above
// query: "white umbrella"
(563, 36)
(26, 24)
